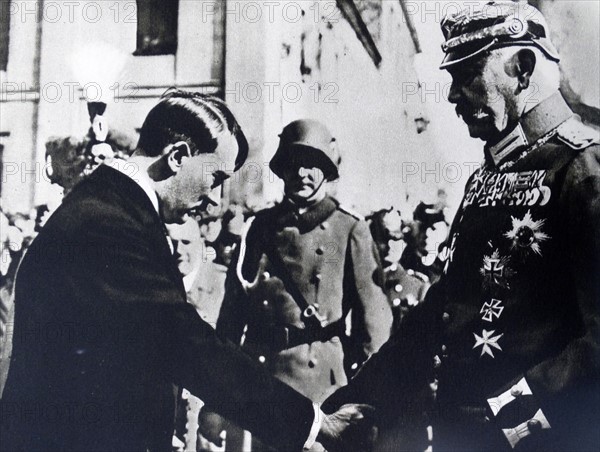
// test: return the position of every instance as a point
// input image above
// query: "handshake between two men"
(351, 428)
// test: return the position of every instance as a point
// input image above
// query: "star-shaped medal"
(526, 234)
(487, 341)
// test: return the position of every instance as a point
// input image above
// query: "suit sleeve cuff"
(519, 394)
(316, 427)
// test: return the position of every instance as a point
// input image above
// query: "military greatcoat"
(516, 315)
(330, 257)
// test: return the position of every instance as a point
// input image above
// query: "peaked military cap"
(495, 24)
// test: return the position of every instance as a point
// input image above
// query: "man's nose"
(454, 93)
(304, 172)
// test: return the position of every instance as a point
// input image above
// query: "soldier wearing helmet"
(301, 294)
(516, 313)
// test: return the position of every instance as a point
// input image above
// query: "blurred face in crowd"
(187, 245)
(210, 230)
(395, 249)
(484, 91)
(236, 224)
(434, 237)
(303, 184)
(394, 245)
(196, 180)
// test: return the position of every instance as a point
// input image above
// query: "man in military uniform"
(304, 265)
(102, 268)
(405, 289)
(515, 316)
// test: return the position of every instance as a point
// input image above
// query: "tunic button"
(261, 359)
(515, 391)
(396, 302)
(398, 288)
(393, 267)
(266, 303)
(437, 362)
(445, 317)
(319, 251)
(324, 225)
(444, 348)
(266, 275)
(534, 425)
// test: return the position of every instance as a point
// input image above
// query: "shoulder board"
(577, 135)
(350, 212)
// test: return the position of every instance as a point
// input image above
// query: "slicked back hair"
(196, 118)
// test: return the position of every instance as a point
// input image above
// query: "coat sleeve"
(395, 380)
(573, 375)
(371, 312)
(172, 337)
(565, 386)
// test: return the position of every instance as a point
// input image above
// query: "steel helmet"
(306, 142)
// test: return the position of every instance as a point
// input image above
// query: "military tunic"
(330, 257)
(405, 289)
(515, 317)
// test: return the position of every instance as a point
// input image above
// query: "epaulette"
(577, 135)
(350, 212)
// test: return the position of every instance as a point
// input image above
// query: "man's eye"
(465, 78)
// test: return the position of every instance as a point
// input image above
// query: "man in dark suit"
(515, 317)
(103, 332)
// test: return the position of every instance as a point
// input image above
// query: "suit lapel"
(140, 207)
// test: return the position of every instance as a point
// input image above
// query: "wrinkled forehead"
(189, 230)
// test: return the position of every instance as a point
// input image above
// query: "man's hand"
(211, 425)
(350, 428)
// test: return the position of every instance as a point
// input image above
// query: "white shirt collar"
(188, 280)
(140, 178)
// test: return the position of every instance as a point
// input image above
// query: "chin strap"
(309, 200)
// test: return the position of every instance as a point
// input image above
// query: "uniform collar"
(542, 119)
(309, 219)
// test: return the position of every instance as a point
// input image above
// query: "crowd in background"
(408, 246)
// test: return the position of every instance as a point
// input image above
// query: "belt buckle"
(313, 311)
(309, 312)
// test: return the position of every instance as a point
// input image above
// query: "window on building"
(157, 27)
(4, 34)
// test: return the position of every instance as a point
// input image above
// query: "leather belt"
(280, 337)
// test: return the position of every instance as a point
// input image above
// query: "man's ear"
(525, 62)
(175, 153)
